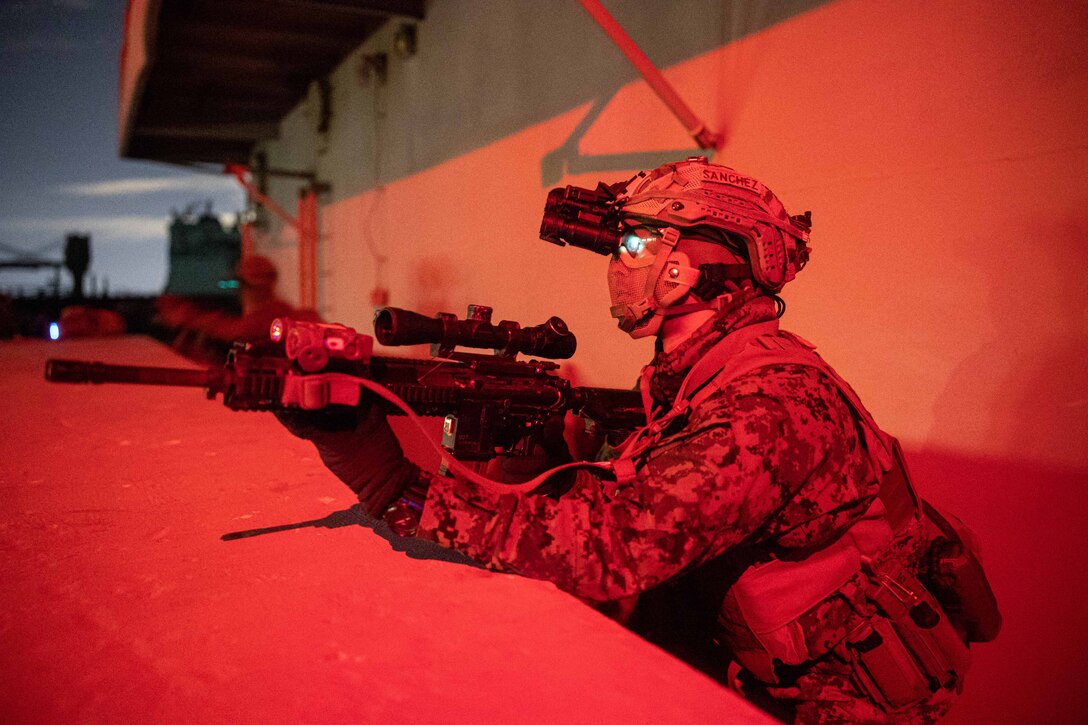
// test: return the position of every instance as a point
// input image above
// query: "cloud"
(150, 185)
(121, 227)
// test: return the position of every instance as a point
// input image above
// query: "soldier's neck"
(674, 330)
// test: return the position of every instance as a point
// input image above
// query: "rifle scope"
(552, 339)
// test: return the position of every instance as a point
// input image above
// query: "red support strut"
(703, 136)
(304, 224)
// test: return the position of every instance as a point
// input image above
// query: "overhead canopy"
(203, 80)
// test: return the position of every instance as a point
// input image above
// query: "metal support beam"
(305, 224)
(703, 136)
(241, 173)
(307, 248)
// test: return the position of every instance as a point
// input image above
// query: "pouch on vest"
(952, 571)
(910, 650)
(906, 656)
(883, 668)
(761, 613)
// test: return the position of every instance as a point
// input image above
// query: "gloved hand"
(360, 448)
(552, 449)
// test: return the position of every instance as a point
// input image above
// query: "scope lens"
(558, 325)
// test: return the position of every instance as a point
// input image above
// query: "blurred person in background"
(206, 335)
(82, 321)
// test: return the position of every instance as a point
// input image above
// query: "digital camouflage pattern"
(772, 463)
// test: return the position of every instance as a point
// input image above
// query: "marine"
(761, 526)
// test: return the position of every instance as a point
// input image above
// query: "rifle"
(493, 404)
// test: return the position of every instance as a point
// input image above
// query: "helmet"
(658, 222)
(717, 203)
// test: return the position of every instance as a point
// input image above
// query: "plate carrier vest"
(902, 646)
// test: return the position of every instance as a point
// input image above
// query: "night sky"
(59, 166)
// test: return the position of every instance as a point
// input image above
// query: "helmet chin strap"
(717, 304)
(717, 278)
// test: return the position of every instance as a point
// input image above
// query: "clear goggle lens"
(638, 242)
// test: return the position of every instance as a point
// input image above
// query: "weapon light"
(311, 344)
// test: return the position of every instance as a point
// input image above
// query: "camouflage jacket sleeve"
(773, 456)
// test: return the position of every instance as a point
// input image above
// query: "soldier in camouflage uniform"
(749, 521)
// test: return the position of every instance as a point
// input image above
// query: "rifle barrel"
(82, 371)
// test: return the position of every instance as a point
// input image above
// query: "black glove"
(306, 424)
(551, 450)
(360, 448)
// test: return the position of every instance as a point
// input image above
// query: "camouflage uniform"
(772, 464)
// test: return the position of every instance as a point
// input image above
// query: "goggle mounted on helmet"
(586, 218)
(696, 200)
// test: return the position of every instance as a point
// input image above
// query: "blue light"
(633, 243)
(54, 331)
(228, 284)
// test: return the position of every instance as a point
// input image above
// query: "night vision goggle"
(586, 218)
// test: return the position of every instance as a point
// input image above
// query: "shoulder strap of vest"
(901, 502)
(704, 370)
(784, 348)
(721, 356)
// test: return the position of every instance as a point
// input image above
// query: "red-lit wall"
(941, 148)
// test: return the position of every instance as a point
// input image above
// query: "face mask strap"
(670, 237)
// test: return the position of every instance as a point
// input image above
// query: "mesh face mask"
(645, 276)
